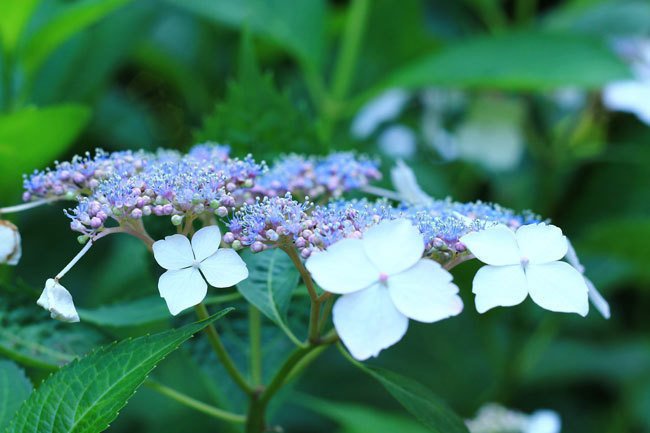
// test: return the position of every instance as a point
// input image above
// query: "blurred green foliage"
(278, 76)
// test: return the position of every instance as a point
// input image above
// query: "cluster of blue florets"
(316, 176)
(312, 228)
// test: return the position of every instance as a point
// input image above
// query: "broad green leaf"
(13, 18)
(69, 20)
(417, 399)
(296, 25)
(572, 361)
(611, 17)
(518, 61)
(271, 282)
(141, 311)
(87, 394)
(353, 418)
(30, 337)
(15, 387)
(609, 261)
(32, 137)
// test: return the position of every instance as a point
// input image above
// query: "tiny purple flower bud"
(136, 213)
(229, 238)
(257, 247)
(95, 222)
(221, 211)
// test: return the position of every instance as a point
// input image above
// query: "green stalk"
(222, 353)
(195, 404)
(255, 331)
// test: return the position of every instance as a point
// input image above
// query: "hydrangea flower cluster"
(389, 259)
(183, 188)
(441, 222)
(313, 176)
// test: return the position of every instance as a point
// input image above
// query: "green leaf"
(130, 313)
(354, 418)
(15, 387)
(296, 25)
(32, 137)
(417, 399)
(613, 18)
(87, 394)
(69, 20)
(143, 311)
(257, 118)
(607, 260)
(271, 282)
(13, 17)
(30, 337)
(518, 61)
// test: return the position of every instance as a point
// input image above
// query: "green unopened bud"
(177, 220)
(236, 245)
(82, 239)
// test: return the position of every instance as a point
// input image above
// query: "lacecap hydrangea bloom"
(388, 259)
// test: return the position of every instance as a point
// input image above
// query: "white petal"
(499, 286)
(406, 184)
(182, 289)
(174, 252)
(543, 421)
(557, 286)
(224, 268)
(393, 246)
(368, 322)
(58, 301)
(495, 245)
(425, 292)
(541, 243)
(205, 242)
(343, 268)
(10, 249)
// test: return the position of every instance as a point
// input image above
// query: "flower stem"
(222, 353)
(188, 401)
(26, 206)
(74, 260)
(255, 331)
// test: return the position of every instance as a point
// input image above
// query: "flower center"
(524, 261)
(196, 264)
(383, 278)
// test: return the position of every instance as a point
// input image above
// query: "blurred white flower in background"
(632, 96)
(384, 282)
(58, 301)
(398, 141)
(10, 248)
(493, 418)
(189, 265)
(406, 184)
(385, 107)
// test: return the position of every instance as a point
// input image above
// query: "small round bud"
(229, 238)
(96, 222)
(177, 220)
(221, 211)
(136, 213)
(82, 239)
(236, 245)
(214, 204)
(257, 247)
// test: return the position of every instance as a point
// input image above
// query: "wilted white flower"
(398, 141)
(58, 301)
(189, 265)
(523, 263)
(385, 107)
(406, 184)
(384, 281)
(10, 249)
